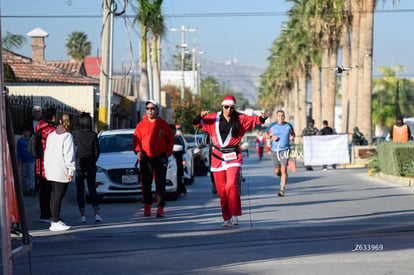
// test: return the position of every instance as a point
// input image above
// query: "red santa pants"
(228, 190)
(260, 152)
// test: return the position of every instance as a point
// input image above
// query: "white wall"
(81, 98)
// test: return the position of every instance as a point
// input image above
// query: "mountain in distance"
(231, 74)
(238, 77)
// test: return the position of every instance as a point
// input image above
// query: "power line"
(213, 14)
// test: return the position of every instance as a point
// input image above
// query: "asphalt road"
(330, 222)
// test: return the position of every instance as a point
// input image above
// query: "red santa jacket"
(153, 138)
(46, 129)
(210, 123)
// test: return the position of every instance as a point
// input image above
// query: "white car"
(117, 172)
(200, 151)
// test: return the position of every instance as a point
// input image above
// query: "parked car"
(196, 142)
(188, 158)
(117, 166)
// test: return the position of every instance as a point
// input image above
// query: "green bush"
(395, 158)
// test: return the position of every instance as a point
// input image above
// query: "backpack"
(35, 145)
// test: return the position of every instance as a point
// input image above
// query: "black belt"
(226, 150)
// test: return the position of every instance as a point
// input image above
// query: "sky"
(241, 30)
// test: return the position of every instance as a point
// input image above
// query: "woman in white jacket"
(59, 168)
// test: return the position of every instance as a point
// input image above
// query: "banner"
(320, 150)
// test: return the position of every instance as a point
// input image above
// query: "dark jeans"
(90, 177)
(58, 191)
(154, 167)
(44, 198)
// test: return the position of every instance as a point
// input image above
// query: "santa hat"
(229, 100)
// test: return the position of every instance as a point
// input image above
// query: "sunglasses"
(150, 108)
(226, 107)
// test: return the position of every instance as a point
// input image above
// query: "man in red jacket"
(46, 126)
(153, 143)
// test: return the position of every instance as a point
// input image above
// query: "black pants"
(150, 168)
(180, 172)
(58, 191)
(44, 198)
(90, 177)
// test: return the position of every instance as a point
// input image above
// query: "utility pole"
(105, 80)
(183, 46)
(196, 76)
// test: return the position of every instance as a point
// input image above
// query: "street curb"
(396, 179)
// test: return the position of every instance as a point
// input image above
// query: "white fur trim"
(228, 102)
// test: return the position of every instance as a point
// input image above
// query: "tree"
(13, 41)
(365, 53)
(143, 17)
(78, 46)
(157, 28)
(188, 61)
(384, 96)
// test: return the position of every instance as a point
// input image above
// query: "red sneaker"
(147, 210)
(160, 212)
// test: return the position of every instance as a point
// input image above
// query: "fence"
(21, 111)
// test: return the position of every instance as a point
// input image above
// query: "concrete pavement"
(337, 221)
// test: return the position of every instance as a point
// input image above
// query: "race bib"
(230, 156)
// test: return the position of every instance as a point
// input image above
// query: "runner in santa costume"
(226, 129)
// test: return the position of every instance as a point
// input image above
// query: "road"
(330, 222)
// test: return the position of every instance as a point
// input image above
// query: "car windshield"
(115, 143)
(189, 139)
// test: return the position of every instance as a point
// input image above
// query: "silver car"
(117, 167)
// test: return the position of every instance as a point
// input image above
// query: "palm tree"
(345, 44)
(143, 16)
(300, 51)
(365, 89)
(157, 28)
(13, 41)
(78, 46)
(353, 75)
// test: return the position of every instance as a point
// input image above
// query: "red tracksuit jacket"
(153, 138)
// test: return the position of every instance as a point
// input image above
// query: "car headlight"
(100, 169)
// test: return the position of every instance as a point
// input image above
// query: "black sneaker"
(281, 193)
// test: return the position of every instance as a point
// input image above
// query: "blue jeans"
(27, 170)
(90, 177)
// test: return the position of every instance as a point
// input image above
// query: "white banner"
(320, 150)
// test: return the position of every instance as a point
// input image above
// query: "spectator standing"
(310, 130)
(400, 131)
(358, 138)
(45, 126)
(326, 130)
(227, 129)
(179, 159)
(153, 143)
(87, 153)
(281, 133)
(59, 168)
(26, 161)
(260, 142)
(36, 116)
